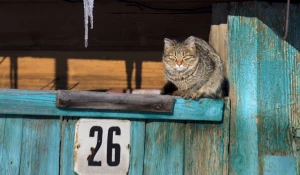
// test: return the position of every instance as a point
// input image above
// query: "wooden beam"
(43, 103)
(114, 101)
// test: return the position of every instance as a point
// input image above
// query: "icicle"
(88, 6)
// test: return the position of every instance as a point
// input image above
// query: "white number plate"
(102, 146)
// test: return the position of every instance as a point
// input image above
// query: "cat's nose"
(179, 62)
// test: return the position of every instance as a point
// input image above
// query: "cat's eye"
(188, 57)
(170, 57)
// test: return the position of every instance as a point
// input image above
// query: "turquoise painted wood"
(40, 146)
(278, 165)
(29, 145)
(264, 85)
(67, 146)
(206, 146)
(164, 147)
(242, 50)
(44, 103)
(10, 147)
(137, 147)
(45, 145)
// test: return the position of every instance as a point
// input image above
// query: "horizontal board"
(114, 101)
(81, 70)
(44, 103)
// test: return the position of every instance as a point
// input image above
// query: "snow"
(88, 6)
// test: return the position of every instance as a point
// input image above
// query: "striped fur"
(194, 67)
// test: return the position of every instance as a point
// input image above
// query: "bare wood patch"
(116, 102)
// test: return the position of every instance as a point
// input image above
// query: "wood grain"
(218, 32)
(51, 70)
(263, 110)
(206, 146)
(114, 101)
(44, 103)
(164, 147)
(30, 145)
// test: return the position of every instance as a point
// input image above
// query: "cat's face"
(180, 56)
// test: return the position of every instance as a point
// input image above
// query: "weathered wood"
(115, 101)
(66, 166)
(218, 32)
(264, 85)
(30, 145)
(278, 165)
(51, 70)
(164, 147)
(10, 144)
(206, 146)
(137, 147)
(44, 103)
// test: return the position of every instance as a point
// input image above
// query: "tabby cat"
(193, 69)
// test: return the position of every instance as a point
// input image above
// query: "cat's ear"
(190, 42)
(169, 43)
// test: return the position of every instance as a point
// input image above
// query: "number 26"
(110, 146)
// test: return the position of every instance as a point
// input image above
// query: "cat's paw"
(182, 93)
(195, 95)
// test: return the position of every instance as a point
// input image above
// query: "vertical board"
(206, 146)
(164, 147)
(67, 146)
(137, 147)
(10, 144)
(242, 63)
(40, 146)
(29, 145)
(264, 85)
(276, 67)
(279, 165)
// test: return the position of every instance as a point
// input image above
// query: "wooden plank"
(278, 165)
(265, 102)
(277, 69)
(114, 101)
(40, 146)
(44, 103)
(164, 147)
(67, 146)
(10, 144)
(242, 54)
(206, 146)
(50, 70)
(137, 147)
(218, 32)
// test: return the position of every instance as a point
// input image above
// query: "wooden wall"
(79, 70)
(264, 89)
(42, 43)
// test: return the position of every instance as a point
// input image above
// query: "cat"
(193, 69)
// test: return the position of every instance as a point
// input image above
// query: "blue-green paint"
(67, 146)
(279, 165)
(164, 147)
(242, 63)
(264, 81)
(44, 103)
(29, 145)
(10, 144)
(137, 147)
(40, 146)
(206, 146)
